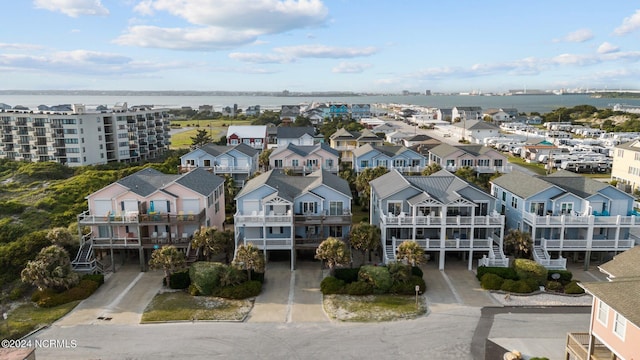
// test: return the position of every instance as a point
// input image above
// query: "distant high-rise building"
(427, 92)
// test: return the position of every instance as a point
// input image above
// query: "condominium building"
(77, 136)
(626, 166)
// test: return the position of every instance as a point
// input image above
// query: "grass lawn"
(28, 317)
(373, 308)
(217, 128)
(175, 306)
(358, 215)
(537, 168)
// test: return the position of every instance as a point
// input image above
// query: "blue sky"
(314, 45)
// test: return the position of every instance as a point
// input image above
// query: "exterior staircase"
(389, 254)
(542, 257)
(85, 261)
(496, 258)
(192, 254)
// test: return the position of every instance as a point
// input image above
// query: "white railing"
(437, 244)
(589, 220)
(487, 220)
(483, 169)
(262, 219)
(583, 244)
(270, 243)
(492, 262)
(551, 264)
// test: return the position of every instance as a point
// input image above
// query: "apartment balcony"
(308, 169)
(270, 243)
(323, 219)
(133, 217)
(578, 348)
(437, 221)
(580, 220)
(449, 244)
(401, 169)
(260, 219)
(584, 244)
(344, 147)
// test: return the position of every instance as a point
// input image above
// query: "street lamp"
(417, 291)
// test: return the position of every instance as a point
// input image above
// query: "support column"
(587, 259)
(142, 259)
(441, 260)
(471, 259)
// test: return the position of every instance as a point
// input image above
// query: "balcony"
(324, 219)
(401, 169)
(584, 244)
(503, 169)
(580, 220)
(437, 221)
(270, 243)
(259, 219)
(449, 244)
(578, 348)
(133, 217)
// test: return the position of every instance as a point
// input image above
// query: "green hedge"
(245, 290)
(99, 278)
(553, 285)
(81, 291)
(505, 273)
(409, 287)
(416, 271)
(378, 276)
(491, 281)
(205, 276)
(179, 280)
(348, 275)
(331, 285)
(565, 276)
(359, 288)
(573, 288)
(517, 286)
(529, 269)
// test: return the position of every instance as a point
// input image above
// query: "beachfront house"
(566, 214)
(346, 141)
(476, 131)
(614, 331)
(401, 158)
(442, 213)
(277, 212)
(252, 135)
(240, 161)
(360, 111)
(481, 159)
(295, 135)
(146, 210)
(304, 159)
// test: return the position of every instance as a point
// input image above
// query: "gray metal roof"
(290, 187)
(200, 181)
(305, 150)
(521, 184)
(290, 132)
(389, 184)
(217, 150)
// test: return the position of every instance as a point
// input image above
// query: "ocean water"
(524, 103)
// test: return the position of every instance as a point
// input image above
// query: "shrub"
(378, 276)
(180, 280)
(245, 290)
(529, 269)
(553, 285)
(257, 276)
(81, 291)
(348, 275)
(358, 288)
(573, 288)
(205, 276)
(331, 285)
(193, 290)
(505, 273)
(416, 271)
(516, 286)
(409, 287)
(491, 281)
(98, 278)
(565, 276)
(399, 272)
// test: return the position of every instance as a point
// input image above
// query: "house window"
(247, 141)
(207, 162)
(566, 207)
(398, 163)
(504, 195)
(497, 162)
(295, 163)
(335, 231)
(335, 207)
(394, 207)
(451, 163)
(483, 162)
(278, 164)
(514, 202)
(619, 325)
(637, 156)
(382, 163)
(620, 153)
(603, 313)
(276, 230)
(233, 141)
(308, 207)
(467, 162)
(364, 163)
(329, 163)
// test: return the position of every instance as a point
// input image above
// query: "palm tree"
(334, 251)
(248, 258)
(203, 238)
(223, 242)
(431, 169)
(263, 159)
(362, 183)
(365, 237)
(51, 269)
(411, 252)
(518, 243)
(168, 259)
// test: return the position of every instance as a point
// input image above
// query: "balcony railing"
(583, 244)
(437, 244)
(589, 220)
(270, 243)
(401, 169)
(135, 218)
(578, 347)
(409, 220)
(259, 218)
(308, 169)
(503, 169)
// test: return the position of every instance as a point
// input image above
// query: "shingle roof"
(631, 145)
(342, 133)
(521, 184)
(420, 137)
(476, 125)
(147, 181)
(575, 183)
(217, 150)
(289, 187)
(388, 184)
(389, 150)
(200, 181)
(305, 150)
(621, 295)
(292, 132)
(624, 264)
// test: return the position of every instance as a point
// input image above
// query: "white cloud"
(322, 51)
(606, 48)
(629, 24)
(574, 59)
(231, 23)
(73, 8)
(350, 68)
(580, 35)
(209, 38)
(258, 58)
(16, 46)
